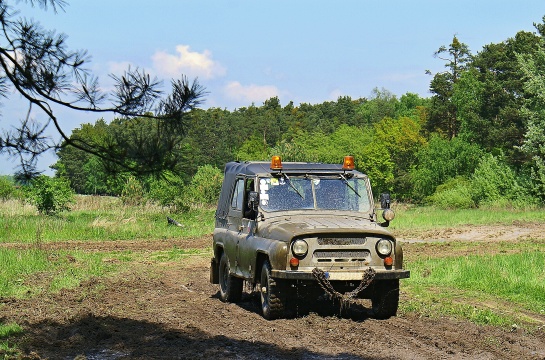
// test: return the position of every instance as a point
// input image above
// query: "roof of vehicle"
(263, 167)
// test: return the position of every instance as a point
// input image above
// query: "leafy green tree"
(213, 137)
(72, 161)
(50, 195)
(402, 138)
(380, 105)
(443, 117)
(376, 162)
(413, 106)
(533, 68)
(96, 180)
(253, 148)
(490, 96)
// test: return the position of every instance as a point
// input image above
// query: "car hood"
(288, 226)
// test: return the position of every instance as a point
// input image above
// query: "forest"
(477, 140)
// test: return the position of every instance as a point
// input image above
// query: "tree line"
(478, 139)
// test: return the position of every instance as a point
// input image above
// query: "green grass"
(9, 330)
(16, 266)
(104, 220)
(6, 331)
(56, 270)
(499, 289)
(425, 218)
(27, 273)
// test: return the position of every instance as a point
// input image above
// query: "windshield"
(327, 193)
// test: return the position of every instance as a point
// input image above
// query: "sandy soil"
(171, 311)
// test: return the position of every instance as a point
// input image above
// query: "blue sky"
(245, 52)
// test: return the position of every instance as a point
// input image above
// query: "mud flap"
(214, 272)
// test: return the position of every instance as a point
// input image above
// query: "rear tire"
(230, 286)
(272, 301)
(385, 300)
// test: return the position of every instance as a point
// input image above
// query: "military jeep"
(298, 231)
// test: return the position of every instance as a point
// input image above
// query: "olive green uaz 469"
(301, 230)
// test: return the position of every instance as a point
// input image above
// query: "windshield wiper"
(291, 185)
(348, 184)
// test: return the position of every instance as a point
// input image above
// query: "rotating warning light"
(348, 163)
(276, 163)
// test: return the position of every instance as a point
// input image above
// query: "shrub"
(494, 182)
(456, 193)
(7, 189)
(133, 192)
(205, 186)
(442, 160)
(50, 195)
(168, 192)
(536, 183)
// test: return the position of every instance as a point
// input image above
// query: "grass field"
(504, 287)
(99, 219)
(425, 218)
(498, 283)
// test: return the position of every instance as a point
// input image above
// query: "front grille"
(341, 241)
(341, 255)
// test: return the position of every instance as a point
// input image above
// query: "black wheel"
(230, 286)
(272, 302)
(385, 299)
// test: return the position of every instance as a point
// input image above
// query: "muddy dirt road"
(171, 311)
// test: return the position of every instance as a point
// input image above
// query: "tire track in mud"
(172, 312)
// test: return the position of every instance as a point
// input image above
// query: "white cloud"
(190, 63)
(250, 93)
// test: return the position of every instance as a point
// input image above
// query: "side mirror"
(385, 200)
(387, 214)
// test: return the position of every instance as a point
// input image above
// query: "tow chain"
(346, 298)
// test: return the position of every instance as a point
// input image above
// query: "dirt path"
(171, 311)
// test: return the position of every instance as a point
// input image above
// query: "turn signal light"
(294, 262)
(388, 261)
(276, 163)
(348, 163)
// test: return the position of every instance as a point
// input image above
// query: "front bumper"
(340, 275)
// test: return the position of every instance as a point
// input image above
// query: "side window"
(238, 195)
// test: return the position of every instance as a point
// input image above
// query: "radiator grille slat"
(341, 255)
(341, 241)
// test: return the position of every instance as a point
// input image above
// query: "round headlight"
(299, 247)
(384, 247)
(388, 215)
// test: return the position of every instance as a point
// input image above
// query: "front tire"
(272, 303)
(230, 286)
(385, 300)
